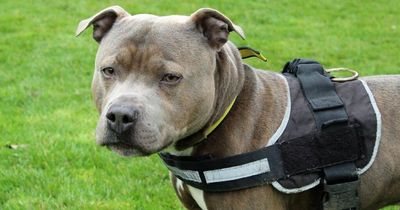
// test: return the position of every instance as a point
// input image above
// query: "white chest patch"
(179, 186)
(198, 196)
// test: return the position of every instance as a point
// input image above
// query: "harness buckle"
(341, 196)
(341, 188)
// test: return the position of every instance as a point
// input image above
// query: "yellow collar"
(215, 125)
(247, 52)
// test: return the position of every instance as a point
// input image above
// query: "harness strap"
(318, 89)
(227, 174)
(269, 164)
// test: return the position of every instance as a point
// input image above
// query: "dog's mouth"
(125, 149)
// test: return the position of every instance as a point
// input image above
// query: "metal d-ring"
(343, 79)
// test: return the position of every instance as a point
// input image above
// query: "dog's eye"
(171, 79)
(108, 72)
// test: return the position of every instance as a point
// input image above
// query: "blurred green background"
(48, 118)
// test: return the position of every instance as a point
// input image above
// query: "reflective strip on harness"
(237, 172)
(186, 174)
(224, 174)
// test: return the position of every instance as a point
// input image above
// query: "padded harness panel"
(361, 116)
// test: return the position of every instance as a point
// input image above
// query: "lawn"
(45, 99)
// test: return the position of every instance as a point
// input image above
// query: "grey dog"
(159, 81)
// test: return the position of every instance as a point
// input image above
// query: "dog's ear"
(215, 26)
(102, 21)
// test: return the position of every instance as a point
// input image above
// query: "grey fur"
(142, 48)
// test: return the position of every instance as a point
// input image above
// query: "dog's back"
(380, 185)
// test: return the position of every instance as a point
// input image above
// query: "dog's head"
(155, 77)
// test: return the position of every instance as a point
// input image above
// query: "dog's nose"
(121, 118)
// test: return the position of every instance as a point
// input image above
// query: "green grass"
(45, 99)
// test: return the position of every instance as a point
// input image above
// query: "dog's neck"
(257, 114)
(234, 79)
(229, 80)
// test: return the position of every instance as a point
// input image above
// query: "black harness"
(334, 147)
